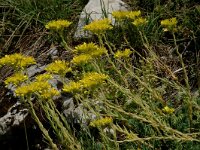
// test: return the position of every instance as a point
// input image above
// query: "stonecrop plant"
(124, 96)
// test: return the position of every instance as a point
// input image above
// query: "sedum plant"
(126, 103)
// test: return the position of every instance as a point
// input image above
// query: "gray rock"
(14, 117)
(80, 114)
(97, 9)
(35, 69)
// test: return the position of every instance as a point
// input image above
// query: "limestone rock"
(14, 117)
(97, 9)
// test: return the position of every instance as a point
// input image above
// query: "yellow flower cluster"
(48, 94)
(98, 52)
(89, 80)
(169, 24)
(101, 122)
(99, 26)
(72, 87)
(139, 21)
(120, 54)
(60, 67)
(134, 15)
(43, 77)
(42, 89)
(33, 87)
(86, 48)
(92, 78)
(81, 59)
(16, 79)
(168, 110)
(17, 60)
(57, 24)
(87, 52)
(120, 15)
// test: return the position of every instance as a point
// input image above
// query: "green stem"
(64, 42)
(186, 81)
(44, 131)
(110, 61)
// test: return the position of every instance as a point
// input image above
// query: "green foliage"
(146, 95)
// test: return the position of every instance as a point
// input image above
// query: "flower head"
(139, 21)
(16, 79)
(168, 110)
(133, 14)
(120, 15)
(169, 24)
(92, 78)
(34, 87)
(50, 93)
(44, 77)
(57, 24)
(81, 59)
(86, 48)
(72, 87)
(99, 26)
(60, 67)
(17, 60)
(101, 122)
(90, 49)
(98, 52)
(89, 80)
(126, 53)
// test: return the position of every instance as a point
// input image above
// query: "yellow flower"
(36, 87)
(72, 86)
(57, 24)
(139, 21)
(120, 15)
(16, 79)
(99, 26)
(60, 67)
(81, 59)
(92, 78)
(133, 14)
(17, 60)
(86, 48)
(169, 24)
(50, 93)
(101, 122)
(91, 49)
(168, 110)
(98, 52)
(43, 77)
(126, 53)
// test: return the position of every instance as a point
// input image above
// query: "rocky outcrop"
(97, 9)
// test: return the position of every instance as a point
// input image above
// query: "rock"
(80, 114)
(35, 69)
(14, 117)
(97, 9)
